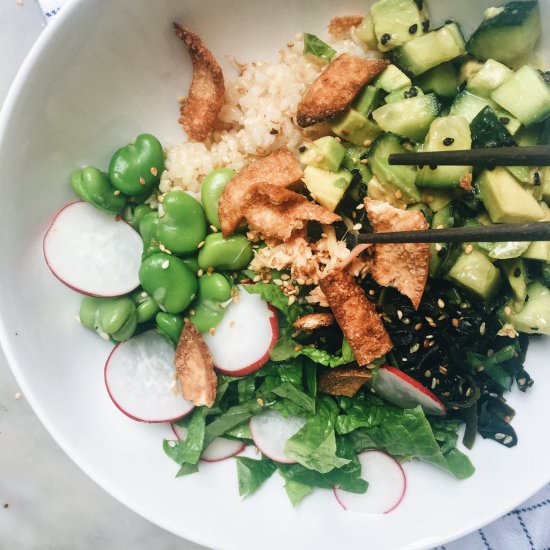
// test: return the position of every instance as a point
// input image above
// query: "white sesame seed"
(201, 244)
(482, 329)
(171, 444)
(414, 348)
(441, 303)
(212, 331)
(213, 228)
(469, 249)
(438, 247)
(508, 311)
(360, 206)
(116, 193)
(200, 272)
(500, 436)
(232, 323)
(165, 264)
(434, 383)
(357, 227)
(399, 314)
(508, 439)
(17, 395)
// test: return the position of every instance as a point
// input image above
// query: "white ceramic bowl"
(102, 73)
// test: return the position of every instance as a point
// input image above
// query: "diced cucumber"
(387, 192)
(409, 118)
(429, 51)
(327, 188)
(395, 22)
(369, 99)
(442, 80)
(355, 160)
(403, 93)
(539, 250)
(355, 128)
(392, 78)
(488, 131)
(534, 317)
(442, 256)
(508, 35)
(506, 200)
(365, 33)
(476, 273)
(516, 273)
(450, 133)
(492, 75)
(526, 95)
(506, 251)
(437, 199)
(526, 137)
(326, 153)
(468, 69)
(401, 177)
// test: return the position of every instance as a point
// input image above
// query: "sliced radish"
(403, 391)
(387, 485)
(93, 252)
(270, 432)
(242, 341)
(220, 449)
(140, 379)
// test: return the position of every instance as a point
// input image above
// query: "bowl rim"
(34, 56)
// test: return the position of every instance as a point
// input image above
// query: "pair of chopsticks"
(505, 156)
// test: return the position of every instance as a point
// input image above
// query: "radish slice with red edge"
(93, 252)
(220, 449)
(241, 343)
(403, 391)
(140, 380)
(387, 485)
(270, 432)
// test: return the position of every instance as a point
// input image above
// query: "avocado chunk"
(516, 273)
(476, 273)
(355, 128)
(506, 200)
(492, 75)
(326, 153)
(391, 79)
(367, 100)
(327, 188)
(534, 317)
(539, 250)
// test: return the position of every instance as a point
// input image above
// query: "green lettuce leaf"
(296, 491)
(272, 294)
(233, 417)
(315, 46)
(252, 473)
(296, 396)
(190, 449)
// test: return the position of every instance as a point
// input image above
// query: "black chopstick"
(538, 155)
(538, 231)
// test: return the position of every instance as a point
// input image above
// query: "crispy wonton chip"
(346, 381)
(334, 89)
(356, 316)
(340, 26)
(313, 321)
(277, 213)
(402, 266)
(200, 109)
(280, 168)
(195, 368)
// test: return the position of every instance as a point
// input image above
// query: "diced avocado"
(401, 177)
(426, 52)
(468, 69)
(442, 80)
(355, 128)
(534, 317)
(492, 75)
(327, 188)
(488, 131)
(451, 133)
(437, 199)
(508, 34)
(525, 95)
(545, 184)
(476, 273)
(539, 250)
(355, 160)
(403, 93)
(506, 200)
(410, 118)
(392, 78)
(516, 273)
(367, 100)
(396, 22)
(326, 153)
(365, 33)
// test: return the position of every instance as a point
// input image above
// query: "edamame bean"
(168, 281)
(93, 186)
(135, 168)
(232, 253)
(183, 225)
(170, 326)
(109, 317)
(133, 214)
(148, 229)
(211, 190)
(146, 307)
(207, 311)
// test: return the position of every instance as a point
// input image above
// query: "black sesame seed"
(426, 25)
(536, 178)
(433, 166)
(546, 76)
(413, 29)
(385, 39)
(504, 120)
(535, 329)
(517, 272)
(448, 141)
(370, 117)
(462, 86)
(302, 149)
(449, 22)
(412, 92)
(442, 253)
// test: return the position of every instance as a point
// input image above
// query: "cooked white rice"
(257, 118)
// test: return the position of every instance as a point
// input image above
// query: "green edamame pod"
(207, 311)
(148, 229)
(183, 225)
(169, 281)
(133, 214)
(192, 263)
(114, 312)
(135, 168)
(146, 307)
(109, 317)
(93, 186)
(127, 330)
(88, 312)
(232, 253)
(170, 326)
(211, 190)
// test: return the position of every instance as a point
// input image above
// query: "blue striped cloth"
(526, 528)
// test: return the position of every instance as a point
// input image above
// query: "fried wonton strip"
(280, 168)
(195, 368)
(200, 109)
(402, 266)
(313, 321)
(277, 213)
(334, 90)
(344, 381)
(340, 26)
(356, 316)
